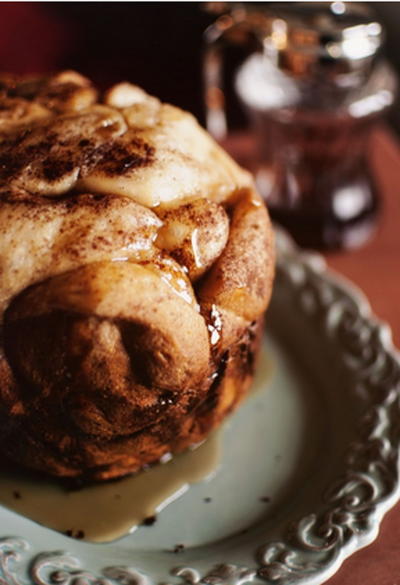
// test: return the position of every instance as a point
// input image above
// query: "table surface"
(375, 269)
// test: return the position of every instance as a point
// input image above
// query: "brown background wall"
(156, 45)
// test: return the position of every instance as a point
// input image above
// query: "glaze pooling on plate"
(307, 542)
(124, 504)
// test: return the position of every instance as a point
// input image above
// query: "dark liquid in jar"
(315, 177)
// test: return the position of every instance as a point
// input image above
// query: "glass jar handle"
(237, 29)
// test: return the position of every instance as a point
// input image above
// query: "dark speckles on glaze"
(53, 158)
(54, 168)
(118, 160)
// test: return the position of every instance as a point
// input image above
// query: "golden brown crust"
(136, 260)
(58, 448)
(41, 237)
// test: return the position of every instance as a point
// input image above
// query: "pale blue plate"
(320, 439)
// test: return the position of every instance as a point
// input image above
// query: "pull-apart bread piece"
(136, 261)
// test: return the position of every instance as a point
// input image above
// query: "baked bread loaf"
(136, 260)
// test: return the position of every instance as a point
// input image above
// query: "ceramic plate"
(309, 465)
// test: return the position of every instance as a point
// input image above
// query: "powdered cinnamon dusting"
(64, 136)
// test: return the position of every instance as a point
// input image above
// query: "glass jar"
(313, 92)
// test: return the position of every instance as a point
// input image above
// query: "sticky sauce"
(215, 325)
(196, 250)
(105, 512)
(265, 369)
